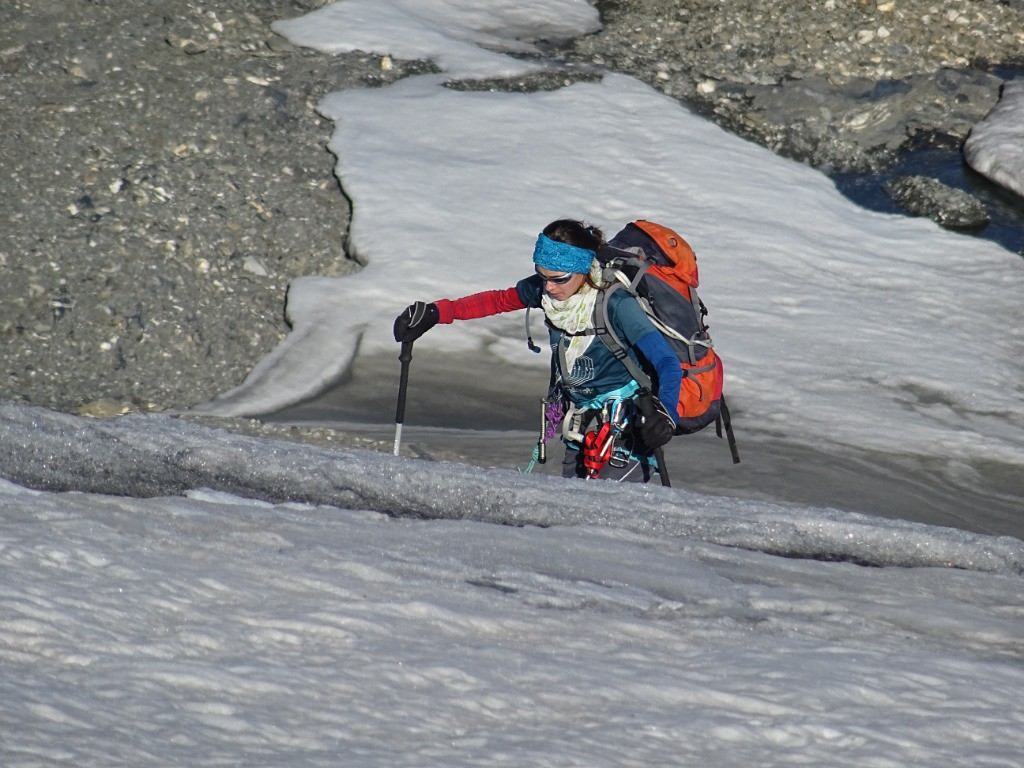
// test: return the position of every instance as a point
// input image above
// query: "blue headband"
(562, 257)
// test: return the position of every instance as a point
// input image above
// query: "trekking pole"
(405, 357)
(659, 454)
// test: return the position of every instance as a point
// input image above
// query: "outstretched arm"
(477, 305)
(418, 318)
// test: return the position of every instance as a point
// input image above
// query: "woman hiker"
(604, 405)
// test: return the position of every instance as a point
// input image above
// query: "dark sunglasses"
(561, 280)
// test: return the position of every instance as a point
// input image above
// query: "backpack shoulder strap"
(606, 333)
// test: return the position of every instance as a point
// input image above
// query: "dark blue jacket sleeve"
(530, 290)
(665, 362)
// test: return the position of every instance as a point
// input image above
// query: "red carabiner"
(597, 450)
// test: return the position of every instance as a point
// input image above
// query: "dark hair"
(575, 233)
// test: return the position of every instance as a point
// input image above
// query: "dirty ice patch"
(995, 147)
(466, 38)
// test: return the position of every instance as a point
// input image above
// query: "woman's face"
(557, 286)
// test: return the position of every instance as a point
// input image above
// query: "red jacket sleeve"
(482, 304)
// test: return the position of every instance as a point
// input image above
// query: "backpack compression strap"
(615, 279)
(605, 332)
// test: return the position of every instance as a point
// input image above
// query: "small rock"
(254, 266)
(948, 207)
(106, 409)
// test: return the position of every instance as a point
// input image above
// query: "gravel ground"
(840, 84)
(165, 173)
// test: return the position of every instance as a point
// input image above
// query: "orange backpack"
(658, 267)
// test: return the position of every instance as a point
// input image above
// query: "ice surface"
(158, 455)
(995, 146)
(465, 37)
(208, 629)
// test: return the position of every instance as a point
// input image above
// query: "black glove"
(417, 319)
(656, 425)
